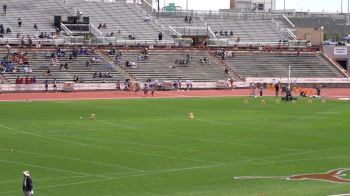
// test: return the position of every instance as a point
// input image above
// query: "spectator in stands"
(190, 20)
(226, 71)
(231, 33)
(8, 30)
(160, 36)
(35, 26)
(112, 51)
(30, 41)
(133, 65)
(88, 64)
(238, 39)
(104, 26)
(188, 59)
(19, 22)
(131, 36)
(298, 54)
(186, 19)
(226, 33)
(221, 33)
(34, 80)
(4, 7)
(147, 18)
(127, 63)
(2, 29)
(66, 66)
(17, 80)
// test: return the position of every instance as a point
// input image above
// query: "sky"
(298, 5)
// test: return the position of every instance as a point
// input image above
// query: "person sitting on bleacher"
(133, 65)
(147, 18)
(35, 26)
(66, 67)
(99, 26)
(112, 51)
(2, 30)
(231, 33)
(8, 30)
(131, 36)
(19, 22)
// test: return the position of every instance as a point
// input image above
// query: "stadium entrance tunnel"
(343, 63)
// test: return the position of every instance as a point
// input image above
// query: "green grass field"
(150, 147)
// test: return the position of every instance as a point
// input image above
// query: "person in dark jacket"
(27, 184)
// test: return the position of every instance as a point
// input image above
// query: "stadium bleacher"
(118, 16)
(248, 30)
(41, 12)
(159, 66)
(260, 64)
(77, 67)
(129, 19)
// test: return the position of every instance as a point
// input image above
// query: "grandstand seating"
(41, 12)
(197, 27)
(76, 68)
(158, 66)
(251, 30)
(118, 16)
(311, 65)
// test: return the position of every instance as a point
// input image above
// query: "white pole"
(186, 4)
(284, 5)
(289, 73)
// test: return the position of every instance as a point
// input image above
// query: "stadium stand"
(40, 12)
(161, 65)
(260, 64)
(248, 30)
(120, 18)
(77, 67)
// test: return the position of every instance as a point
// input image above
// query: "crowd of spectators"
(225, 33)
(102, 75)
(4, 31)
(15, 61)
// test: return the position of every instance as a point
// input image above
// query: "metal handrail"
(213, 36)
(290, 22)
(175, 32)
(69, 32)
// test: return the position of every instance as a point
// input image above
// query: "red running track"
(329, 93)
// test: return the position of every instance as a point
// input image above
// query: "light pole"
(284, 5)
(341, 6)
(186, 4)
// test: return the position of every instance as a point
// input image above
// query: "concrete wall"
(313, 35)
(339, 53)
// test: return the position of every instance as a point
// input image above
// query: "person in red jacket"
(17, 80)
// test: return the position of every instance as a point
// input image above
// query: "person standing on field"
(27, 184)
